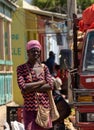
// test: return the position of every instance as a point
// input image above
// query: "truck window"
(88, 62)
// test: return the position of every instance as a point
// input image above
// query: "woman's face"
(34, 53)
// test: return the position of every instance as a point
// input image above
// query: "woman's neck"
(34, 63)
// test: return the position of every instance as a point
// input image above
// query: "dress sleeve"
(20, 78)
(48, 76)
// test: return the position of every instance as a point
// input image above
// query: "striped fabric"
(30, 101)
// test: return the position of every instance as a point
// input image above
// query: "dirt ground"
(3, 115)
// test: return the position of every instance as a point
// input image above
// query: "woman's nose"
(36, 52)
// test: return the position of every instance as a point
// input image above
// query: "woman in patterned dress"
(34, 77)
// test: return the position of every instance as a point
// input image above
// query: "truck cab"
(83, 79)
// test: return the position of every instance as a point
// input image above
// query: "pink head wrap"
(33, 44)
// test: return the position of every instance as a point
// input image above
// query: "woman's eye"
(35, 51)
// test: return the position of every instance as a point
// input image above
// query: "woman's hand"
(33, 86)
(44, 88)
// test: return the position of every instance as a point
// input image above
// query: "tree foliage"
(83, 4)
(60, 6)
(51, 5)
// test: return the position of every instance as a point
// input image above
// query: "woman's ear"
(28, 53)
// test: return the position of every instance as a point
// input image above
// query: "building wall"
(41, 35)
(6, 73)
(18, 50)
(31, 26)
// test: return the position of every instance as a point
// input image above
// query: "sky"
(28, 1)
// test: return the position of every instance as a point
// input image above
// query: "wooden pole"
(71, 9)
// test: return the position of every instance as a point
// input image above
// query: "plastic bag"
(17, 125)
(6, 126)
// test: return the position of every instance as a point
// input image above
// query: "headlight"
(90, 116)
(86, 117)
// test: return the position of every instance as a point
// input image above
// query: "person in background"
(50, 62)
(62, 74)
(57, 71)
(63, 107)
(34, 77)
